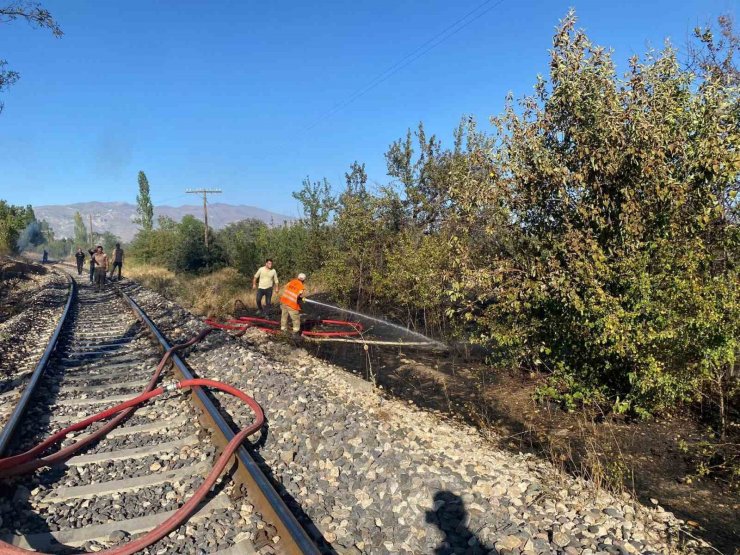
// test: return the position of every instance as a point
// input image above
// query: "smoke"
(113, 154)
(30, 237)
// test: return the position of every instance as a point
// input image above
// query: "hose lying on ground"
(346, 329)
(64, 454)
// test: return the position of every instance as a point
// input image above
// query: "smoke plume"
(30, 237)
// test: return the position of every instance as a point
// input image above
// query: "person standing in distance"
(268, 280)
(80, 259)
(117, 261)
(290, 304)
(101, 267)
(91, 252)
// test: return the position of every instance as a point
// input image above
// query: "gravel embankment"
(380, 476)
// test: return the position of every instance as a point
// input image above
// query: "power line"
(163, 201)
(411, 57)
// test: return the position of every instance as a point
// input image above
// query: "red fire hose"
(350, 329)
(28, 461)
(67, 452)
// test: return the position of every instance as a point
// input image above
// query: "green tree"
(288, 246)
(351, 253)
(318, 204)
(356, 180)
(13, 221)
(177, 246)
(144, 207)
(417, 172)
(239, 242)
(189, 253)
(108, 240)
(35, 15)
(59, 248)
(80, 231)
(622, 275)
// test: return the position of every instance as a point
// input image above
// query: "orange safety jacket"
(291, 293)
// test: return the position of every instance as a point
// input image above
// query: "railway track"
(135, 477)
(30, 312)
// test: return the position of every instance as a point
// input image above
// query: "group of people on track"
(100, 263)
(265, 281)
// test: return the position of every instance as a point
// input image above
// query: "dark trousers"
(113, 269)
(79, 267)
(99, 278)
(92, 272)
(267, 294)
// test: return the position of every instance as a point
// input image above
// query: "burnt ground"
(642, 457)
(17, 280)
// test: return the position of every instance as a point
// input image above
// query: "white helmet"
(302, 276)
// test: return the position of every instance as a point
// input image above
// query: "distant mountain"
(118, 217)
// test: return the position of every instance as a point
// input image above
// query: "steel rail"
(20, 408)
(262, 493)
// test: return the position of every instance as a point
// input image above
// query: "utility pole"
(205, 193)
(92, 239)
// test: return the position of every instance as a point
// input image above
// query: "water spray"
(422, 340)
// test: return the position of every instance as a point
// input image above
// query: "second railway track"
(135, 477)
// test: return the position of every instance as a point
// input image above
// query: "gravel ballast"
(44, 298)
(377, 475)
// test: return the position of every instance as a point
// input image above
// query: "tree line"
(20, 231)
(592, 235)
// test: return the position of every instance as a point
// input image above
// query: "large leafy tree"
(623, 215)
(13, 221)
(240, 242)
(349, 260)
(108, 240)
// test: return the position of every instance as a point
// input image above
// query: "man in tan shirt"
(101, 267)
(268, 281)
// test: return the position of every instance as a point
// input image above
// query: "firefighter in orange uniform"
(290, 304)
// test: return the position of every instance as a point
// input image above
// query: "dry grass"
(209, 295)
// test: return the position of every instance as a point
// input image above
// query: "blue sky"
(231, 94)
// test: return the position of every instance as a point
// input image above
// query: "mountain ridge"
(118, 217)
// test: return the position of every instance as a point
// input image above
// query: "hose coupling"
(170, 387)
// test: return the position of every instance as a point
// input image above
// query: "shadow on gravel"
(451, 517)
(12, 383)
